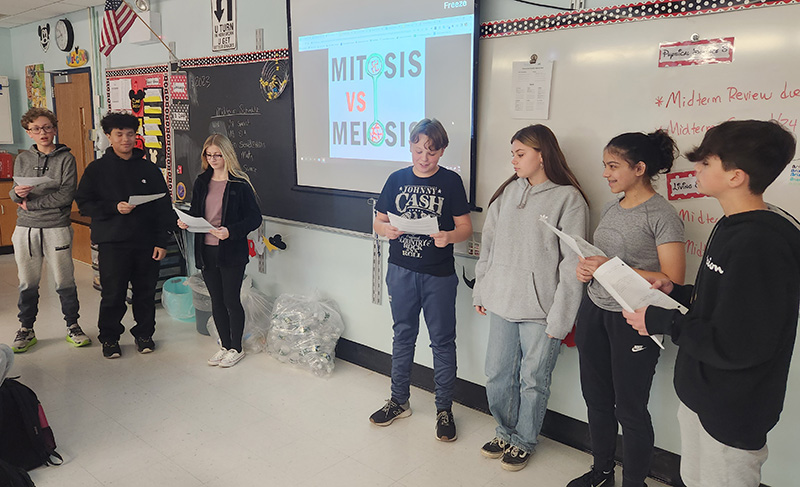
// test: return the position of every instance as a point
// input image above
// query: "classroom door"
(73, 108)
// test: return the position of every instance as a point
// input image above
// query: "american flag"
(117, 19)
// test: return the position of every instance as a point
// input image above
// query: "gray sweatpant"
(705, 462)
(31, 246)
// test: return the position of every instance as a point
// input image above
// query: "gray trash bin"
(201, 301)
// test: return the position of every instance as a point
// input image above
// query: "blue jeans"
(520, 359)
(410, 292)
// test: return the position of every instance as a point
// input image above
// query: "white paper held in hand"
(140, 199)
(576, 243)
(421, 226)
(196, 224)
(31, 180)
(631, 290)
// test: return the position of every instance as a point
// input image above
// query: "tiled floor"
(168, 419)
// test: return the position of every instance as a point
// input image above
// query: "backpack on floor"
(26, 439)
(11, 476)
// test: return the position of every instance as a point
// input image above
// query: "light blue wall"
(5, 50)
(188, 24)
(7, 69)
(25, 49)
(340, 266)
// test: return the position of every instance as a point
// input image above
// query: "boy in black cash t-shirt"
(421, 274)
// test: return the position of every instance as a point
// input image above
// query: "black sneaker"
(145, 345)
(391, 411)
(445, 426)
(494, 448)
(111, 350)
(594, 478)
(514, 459)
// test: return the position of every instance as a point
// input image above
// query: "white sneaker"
(24, 340)
(231, 358)
(217, 358)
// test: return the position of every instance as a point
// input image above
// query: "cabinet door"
(8, 220)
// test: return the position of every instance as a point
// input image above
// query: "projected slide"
(365, 73)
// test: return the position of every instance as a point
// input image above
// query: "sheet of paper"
(152, 142)
(531, 89)
(152, 129)
(421, 226)
(196, 224)
(631, 290)
(119, 89)
(577, 244)
(140, 199)
(152, 95)
(31, 181)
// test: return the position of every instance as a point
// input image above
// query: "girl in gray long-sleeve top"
(524, 279)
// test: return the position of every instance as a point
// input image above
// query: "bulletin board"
(143, 91)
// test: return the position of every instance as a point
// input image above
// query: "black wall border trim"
(621, 13)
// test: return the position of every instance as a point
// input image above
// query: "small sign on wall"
(682, 186)
(688, 53)
(223, 25)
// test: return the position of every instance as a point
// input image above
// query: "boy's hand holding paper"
(421, 226)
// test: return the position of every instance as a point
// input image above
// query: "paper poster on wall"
(794, 173)
(179, 90)
(688, 53)
(119, 100)
(223, 25)
(531, 83)
(682, 185)
(35, 85)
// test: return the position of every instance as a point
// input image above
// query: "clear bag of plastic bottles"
(257, 311)
(304, 332)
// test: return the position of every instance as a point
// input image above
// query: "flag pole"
(173, 57)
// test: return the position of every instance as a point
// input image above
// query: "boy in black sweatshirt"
(131, 239)
(737, 339)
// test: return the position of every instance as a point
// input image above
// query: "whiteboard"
(6, 132)
(606, 81)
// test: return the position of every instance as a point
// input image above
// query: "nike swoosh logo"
(636, 348)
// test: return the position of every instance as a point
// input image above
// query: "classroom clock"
(65, 36)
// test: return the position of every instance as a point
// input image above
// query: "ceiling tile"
(56, 9)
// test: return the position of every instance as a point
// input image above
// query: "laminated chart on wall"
(143, 92)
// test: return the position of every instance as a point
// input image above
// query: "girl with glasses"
(225, 197)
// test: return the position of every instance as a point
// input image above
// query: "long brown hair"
(542, 139)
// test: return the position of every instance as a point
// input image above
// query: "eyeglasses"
(213, 156)
(38, 130)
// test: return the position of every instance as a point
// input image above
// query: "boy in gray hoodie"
(43, 227)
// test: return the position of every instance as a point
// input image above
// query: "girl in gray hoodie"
(524, 279)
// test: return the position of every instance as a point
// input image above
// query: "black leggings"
(617, 367)
(225, 285)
